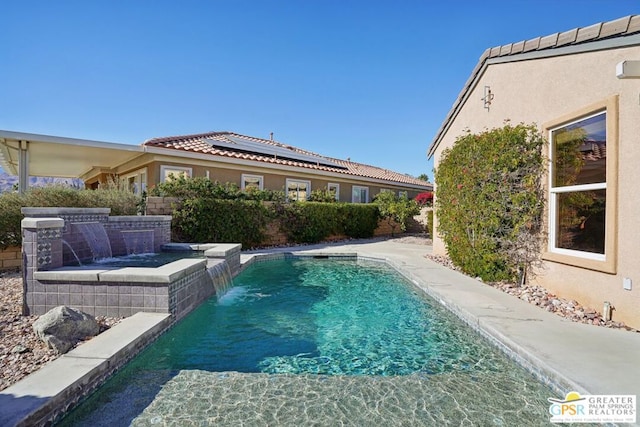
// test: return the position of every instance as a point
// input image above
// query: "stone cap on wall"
(40, 211)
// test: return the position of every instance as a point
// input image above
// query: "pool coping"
(49, 392)
(25, 402)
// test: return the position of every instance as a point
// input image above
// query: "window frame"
(297, 180)
(138, 178)
(164, 168)
(359, 188)
(600, 262)
(244, 177)
(335, 185)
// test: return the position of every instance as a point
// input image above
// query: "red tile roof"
(205, 143)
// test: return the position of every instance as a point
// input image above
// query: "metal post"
(23, 167)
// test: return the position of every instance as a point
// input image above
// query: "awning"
(26, 154)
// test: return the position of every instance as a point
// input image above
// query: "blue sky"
(369, 80)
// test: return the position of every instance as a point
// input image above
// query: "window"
(298, 190)
(403, 194)
(582, 190)
(335, 189)
(136, 182)
(252, 182)
(167, 171)
(360, 194)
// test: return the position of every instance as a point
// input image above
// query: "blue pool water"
(152, 259)
(298, 333)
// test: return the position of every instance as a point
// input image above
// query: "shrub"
(396, 210)
(429, 225)
(308, 222)
(490, 201)
(424, 199)
(358, 220)
(203, 219)
(187, 188)
(121, 202)
(324, 196)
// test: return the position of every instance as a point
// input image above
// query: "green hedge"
(121, 202)
(313, 222)
(490, 201)
(203, 219)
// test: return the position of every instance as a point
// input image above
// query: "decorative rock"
(19, 349)
(63, 327)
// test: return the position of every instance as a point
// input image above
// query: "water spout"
(96, 237)
(220, 275)
(75, 255)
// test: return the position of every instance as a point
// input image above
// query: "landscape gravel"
(21, 351)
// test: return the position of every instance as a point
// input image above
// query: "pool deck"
(569, 356)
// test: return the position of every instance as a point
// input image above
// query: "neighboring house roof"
(604, 35)
(229, 144)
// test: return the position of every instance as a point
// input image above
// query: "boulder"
(63, 327)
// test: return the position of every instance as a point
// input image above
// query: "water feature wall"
(55, 240)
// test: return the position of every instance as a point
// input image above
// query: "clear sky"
(365, 79)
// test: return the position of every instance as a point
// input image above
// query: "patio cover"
(27, 154)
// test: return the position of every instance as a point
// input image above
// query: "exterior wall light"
(628, 70)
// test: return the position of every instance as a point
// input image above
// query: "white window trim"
(163, 169)
(307, 182)
(337, 187)
(553, 205)
(244, 177)
(359, 188)
(606, 262)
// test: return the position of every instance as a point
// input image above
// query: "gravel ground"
(21, 352)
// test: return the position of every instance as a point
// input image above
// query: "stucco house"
(581, 89)
(220, 156)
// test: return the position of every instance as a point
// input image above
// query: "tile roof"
(616, 29)
(205, 143)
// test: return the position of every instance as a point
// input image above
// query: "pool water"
(151, 259)
(319, 342)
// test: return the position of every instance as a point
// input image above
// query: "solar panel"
(276, 151)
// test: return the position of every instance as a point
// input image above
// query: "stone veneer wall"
(43, 233)
(11, 258)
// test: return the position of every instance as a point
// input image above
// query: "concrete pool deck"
(570, 356)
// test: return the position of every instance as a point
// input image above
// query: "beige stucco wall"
(541, 91)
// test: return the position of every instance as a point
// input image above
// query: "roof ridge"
(626, 25)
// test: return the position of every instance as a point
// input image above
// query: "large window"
(167, 172)
(360, 194)
(252, 182)
(581, 194)
(298, 189)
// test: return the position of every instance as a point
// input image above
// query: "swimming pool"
(324, 342)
